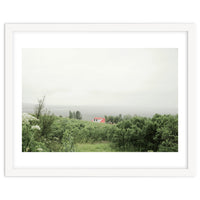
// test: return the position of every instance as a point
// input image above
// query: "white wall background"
(104, 11)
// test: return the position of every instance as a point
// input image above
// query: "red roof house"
(99, 120)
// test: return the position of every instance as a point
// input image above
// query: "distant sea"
(89, 112)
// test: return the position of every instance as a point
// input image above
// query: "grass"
(95, 147)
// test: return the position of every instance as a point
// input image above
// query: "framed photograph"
(99, 100)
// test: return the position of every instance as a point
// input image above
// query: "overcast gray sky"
(101, 77)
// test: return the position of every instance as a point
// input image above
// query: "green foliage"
(113, 119)
(144, 134)
(75, 115)
(78, 115)
(70, 114)
(29, 132)
(39, 108)
(46, 120)
(168, 133)
(134, 134)
(68, 141)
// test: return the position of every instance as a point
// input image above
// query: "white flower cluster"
(39, 149)
(36, 127)
(26, 118)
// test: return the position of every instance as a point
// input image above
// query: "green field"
(96, 147)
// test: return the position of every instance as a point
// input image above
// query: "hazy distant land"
(89, 112)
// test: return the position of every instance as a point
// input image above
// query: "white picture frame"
(10, 170)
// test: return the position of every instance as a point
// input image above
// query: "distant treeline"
(75, 115)
(115, 119)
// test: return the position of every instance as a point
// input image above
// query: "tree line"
(75, 115)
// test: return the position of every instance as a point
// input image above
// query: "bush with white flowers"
(36, 127)
(27, 118)
(29, 128)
